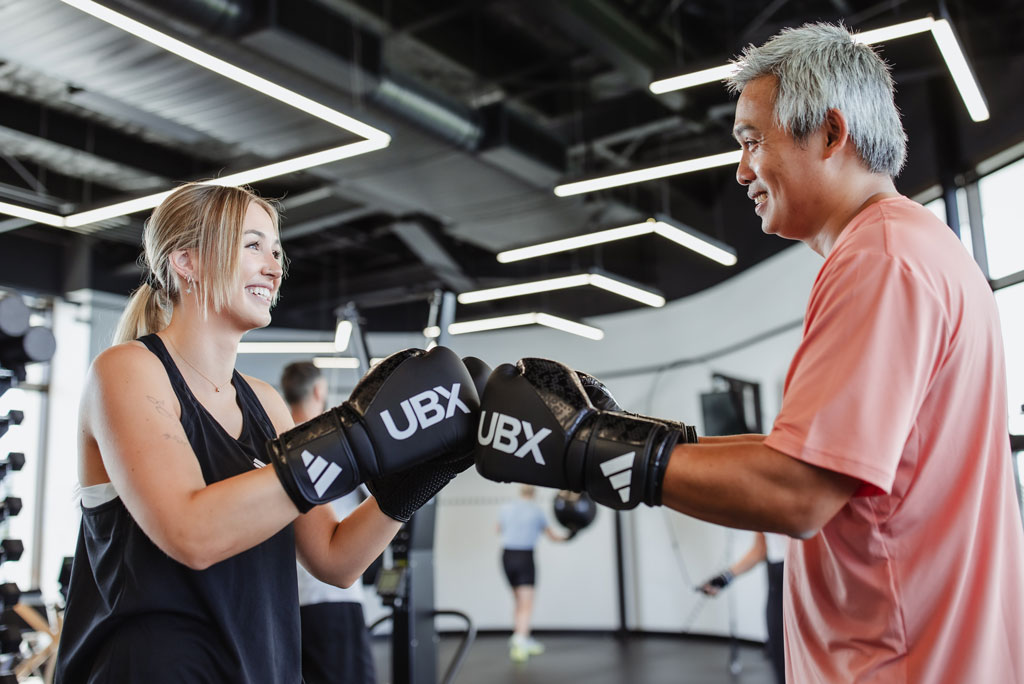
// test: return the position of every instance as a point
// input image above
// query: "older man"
(889, 458)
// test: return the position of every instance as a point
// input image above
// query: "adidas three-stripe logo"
(322, 473)
(619, 471)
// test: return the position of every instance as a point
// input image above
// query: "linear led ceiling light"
(664, 226)
(374, 139)
(650, 173)
(605, 282)
(335, 362)
(960, 70)
(286, 348)
(31, 214)
(533, 318)
(342, 335)
(942, 32)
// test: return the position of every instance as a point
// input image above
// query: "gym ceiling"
(489, 105)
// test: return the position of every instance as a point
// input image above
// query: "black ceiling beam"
(62, 128)
(486, 46)
(421, 242)
(632, 49)
(633, 110)
(67, 189)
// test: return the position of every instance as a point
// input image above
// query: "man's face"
(782, 177)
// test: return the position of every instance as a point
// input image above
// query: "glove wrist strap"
(660, 455)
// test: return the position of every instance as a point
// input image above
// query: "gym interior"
(415, 148)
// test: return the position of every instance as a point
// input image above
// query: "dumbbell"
(15, 461)
(14, 317)
(9, 595)
(12, 418)
(10, 639)
(10, 507)
(37, 344)
(11, 550)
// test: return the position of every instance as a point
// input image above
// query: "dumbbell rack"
(21, 343)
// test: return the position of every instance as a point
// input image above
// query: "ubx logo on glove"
(503, 434)
(423, 410)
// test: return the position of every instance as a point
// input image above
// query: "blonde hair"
(202, 217)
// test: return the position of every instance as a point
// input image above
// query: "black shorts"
(519, 568)
(335, 644)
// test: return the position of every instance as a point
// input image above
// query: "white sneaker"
(517, 650)
(532, 646)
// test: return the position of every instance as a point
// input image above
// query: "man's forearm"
(744, 484)
(732, 439)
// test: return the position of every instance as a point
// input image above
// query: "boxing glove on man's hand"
(411, 407)
(538, 426)
(401, 494)
(601, 397)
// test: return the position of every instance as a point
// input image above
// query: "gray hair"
(297, 380)
(820, 67)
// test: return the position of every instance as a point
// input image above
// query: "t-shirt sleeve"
(872, 340)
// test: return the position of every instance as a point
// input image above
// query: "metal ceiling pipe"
(442, 119)
(224, 17)
(449, 121)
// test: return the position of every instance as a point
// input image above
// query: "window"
(1011, 303)
(1004, 236)
(938, 207)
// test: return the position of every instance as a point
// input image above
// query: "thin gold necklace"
(201, 373)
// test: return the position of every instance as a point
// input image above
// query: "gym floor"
(598, 659)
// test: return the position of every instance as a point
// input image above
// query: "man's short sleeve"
(873, 339)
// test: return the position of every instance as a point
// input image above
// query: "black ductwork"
(223, 17)
(326, 45)
(360, 50)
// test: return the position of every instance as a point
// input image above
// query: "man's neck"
(305, 410)
(874, 189)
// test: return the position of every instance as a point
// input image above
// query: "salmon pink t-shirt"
(900, 382)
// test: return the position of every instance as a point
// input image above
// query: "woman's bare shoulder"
(272, 402)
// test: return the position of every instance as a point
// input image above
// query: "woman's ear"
(184, 265)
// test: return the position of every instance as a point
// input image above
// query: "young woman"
(185, 566)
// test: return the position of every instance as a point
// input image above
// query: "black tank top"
(136, 615)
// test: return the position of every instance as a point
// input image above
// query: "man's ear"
(836, 132)
(320, 390)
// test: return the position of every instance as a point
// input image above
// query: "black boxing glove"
(401, 494)
(411, 407)
(538, 426)
(601, 397)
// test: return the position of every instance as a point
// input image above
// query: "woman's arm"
(339, 552)
(334, 552)
(132, 415)
(757, 552)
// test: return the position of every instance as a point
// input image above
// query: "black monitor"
(735, 409)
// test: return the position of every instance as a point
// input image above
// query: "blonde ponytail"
(144, 313)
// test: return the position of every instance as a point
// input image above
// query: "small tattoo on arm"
(175, 438)
(158, 404)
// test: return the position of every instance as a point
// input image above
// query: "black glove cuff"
(660, 457)
(284, 474)
(359, 442)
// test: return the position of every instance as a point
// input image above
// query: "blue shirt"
(522, 522)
